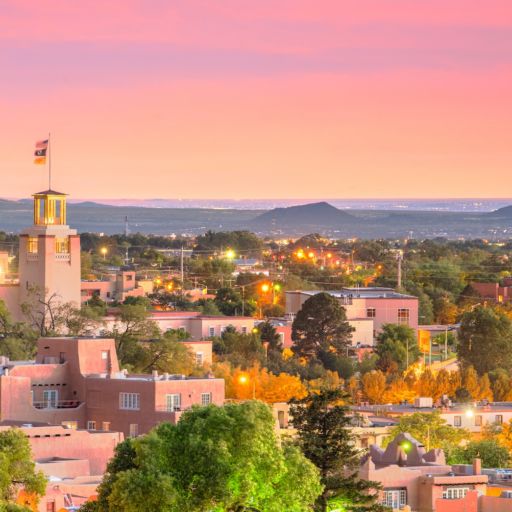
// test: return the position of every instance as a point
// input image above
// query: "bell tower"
(49, 255)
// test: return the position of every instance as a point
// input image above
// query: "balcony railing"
(57, 404)
(164, 408)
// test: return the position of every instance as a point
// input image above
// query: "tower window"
(62, 245)
(32, 245)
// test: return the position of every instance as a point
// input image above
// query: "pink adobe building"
(77, 382)
(200, 327)
(494, 291)
(411, 476)
(72, 460)
(116, 286)
(379, 305)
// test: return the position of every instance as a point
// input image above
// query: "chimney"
(155, 374)
(477, 466)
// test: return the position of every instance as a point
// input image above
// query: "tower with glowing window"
(49, 255)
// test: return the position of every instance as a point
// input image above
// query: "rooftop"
(453, 409)
(363, 293)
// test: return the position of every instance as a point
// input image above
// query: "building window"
(211, 331)
(478, 421)
(105, 426)
(173, 402)
(370, 312)
(134, 429)
(199, 359)
(455, 493)
(70, 424)
(91, 425)
(403, 316)
(457, 421)
(129, 401)
(395, 498)
(62, 245)
(50, 506)
(244, 330)
(32, 245)
(499, 419)
(51, 398)
(104, 355)
(206, 398)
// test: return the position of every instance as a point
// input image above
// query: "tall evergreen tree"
(321, 326)
(323, 424)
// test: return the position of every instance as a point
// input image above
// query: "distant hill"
(505, 212)
(308, 216)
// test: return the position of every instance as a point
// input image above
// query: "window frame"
(169, 402)
(129, 401)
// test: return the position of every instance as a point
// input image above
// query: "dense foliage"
(324, 434)
(222, 459)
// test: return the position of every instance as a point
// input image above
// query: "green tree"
(269, 334)
(240, 349)
(220, 459)
(17, 339)
(123, 460)
(485, 340)
(228, 301)
(133, 325)
(394, 342)
(492, 453)
(17, 469)
(166, 354)
(321, 326)
(431, 430)
(324, 434)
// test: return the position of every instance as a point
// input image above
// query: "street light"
(104, 251)
(230, 254)
(244, 379)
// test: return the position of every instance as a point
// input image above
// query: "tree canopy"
(323, 424)
(485, 340)
(221, 459)
(17, 470)
(431, 430)
(321, 326)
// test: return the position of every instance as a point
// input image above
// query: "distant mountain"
(306, 216)
(505, 212)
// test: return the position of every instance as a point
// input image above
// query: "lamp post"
(244, 379)
(104, 251)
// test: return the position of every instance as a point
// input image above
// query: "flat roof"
(362, 293)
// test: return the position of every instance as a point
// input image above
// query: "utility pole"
(399, 257)
(126, 228)
(182, 273)
(243, 300)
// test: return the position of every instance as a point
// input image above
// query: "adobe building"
(73, 461)
(77, 382)
(411, 476)
(473, 417)
(113, 287)
(199, 326)
(367, 309)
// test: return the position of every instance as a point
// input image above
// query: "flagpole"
(49, 164)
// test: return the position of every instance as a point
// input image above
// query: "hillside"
(308, 216)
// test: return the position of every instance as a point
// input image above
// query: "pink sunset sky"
(258, 98)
